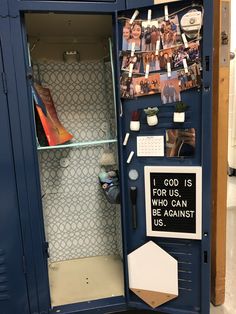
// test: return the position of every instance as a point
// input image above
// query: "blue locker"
(192, 254)
(13, 284)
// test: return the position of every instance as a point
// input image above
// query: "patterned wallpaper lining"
(79, 221)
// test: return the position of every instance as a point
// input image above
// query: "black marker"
(133, 198)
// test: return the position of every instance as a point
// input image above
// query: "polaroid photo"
(132, 34)
(151, 34)
(170, 89)
(135, 60)
(153, 61)
(180, 142)
(146, 86)
(191, 79)
(170, 32)
(126, 86)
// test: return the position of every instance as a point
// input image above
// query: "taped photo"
(180, 142)
(126, 86)
(170, 89)
(170, 32)
(146, 86)
(151, 34)
(153, 60)
(191, 79)
(128, 60)
(132, 34)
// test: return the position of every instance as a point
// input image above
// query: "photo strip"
(170, 32)
(170, 89)
(191, 79)
(132, 34)
(135, 60)
(180, 142)
(151, 34)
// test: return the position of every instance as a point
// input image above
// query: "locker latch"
(45, 247)
(224, 38)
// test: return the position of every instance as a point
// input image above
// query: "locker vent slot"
(183, 253)
(4, 290)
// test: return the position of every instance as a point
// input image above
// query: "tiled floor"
(229, 306)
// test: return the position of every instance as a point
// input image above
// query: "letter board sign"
(173, 202)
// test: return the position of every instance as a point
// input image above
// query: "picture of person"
(191, 79)
(127, 60)
(149, 86)
(178, 55)
(194, 51)
(151, 34)
(164, 57)
(170, 32)
(180, 142)
(135, 35)
(151, 59)
(126, 36)
(170, 89)
(126, 86)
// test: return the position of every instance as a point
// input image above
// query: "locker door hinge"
(4, 82)
(45, 249)
(24, 264)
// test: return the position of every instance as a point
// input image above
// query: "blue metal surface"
(103, 306)
(194, 289)
(25, 154)
(3, 8)
(132, 4)
(194, 296)
(13, 288)
(15, 6)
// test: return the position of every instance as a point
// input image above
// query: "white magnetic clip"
(185, 65)
(130, 157)
(132, 49)
(131, 66)
(136, 13)
(166, 13)
(185, 40)
(126, 139)
(121, 109)
(147, 70)
(157, 47)
(149, 16)
(168, 69)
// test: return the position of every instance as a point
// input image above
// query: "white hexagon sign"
(153, 274)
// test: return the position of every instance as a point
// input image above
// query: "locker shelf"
(80, 144)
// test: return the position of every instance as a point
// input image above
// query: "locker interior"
(82, 228)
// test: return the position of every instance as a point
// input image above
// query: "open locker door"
(13, 289)
(165, 50)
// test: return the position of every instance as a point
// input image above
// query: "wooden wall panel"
(219, 162)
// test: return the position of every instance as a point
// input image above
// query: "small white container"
(152, 120)
(179, 117)
(134, 125)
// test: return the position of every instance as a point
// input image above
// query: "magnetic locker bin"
(106, 109)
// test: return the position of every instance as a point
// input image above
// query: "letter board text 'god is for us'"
(173, 201)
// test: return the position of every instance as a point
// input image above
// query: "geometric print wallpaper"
(79, 221)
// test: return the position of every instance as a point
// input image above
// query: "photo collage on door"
(161, 55)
